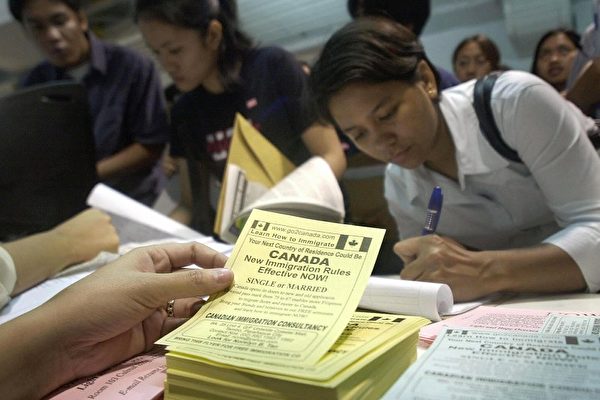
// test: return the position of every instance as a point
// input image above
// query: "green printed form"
(297, 283)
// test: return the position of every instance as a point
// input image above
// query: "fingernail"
(222, 275)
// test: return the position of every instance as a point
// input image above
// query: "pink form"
(500, 318)
(139, 378)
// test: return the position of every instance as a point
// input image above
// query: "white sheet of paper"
(389, 293)
(485, 365)
(110, 200)
(425, 299)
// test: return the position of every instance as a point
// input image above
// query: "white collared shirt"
(496, 204)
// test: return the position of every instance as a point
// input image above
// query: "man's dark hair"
(410, 13)
(16, 7)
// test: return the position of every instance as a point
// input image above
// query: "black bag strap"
(482, 95)
(483, 108)
(595, 136)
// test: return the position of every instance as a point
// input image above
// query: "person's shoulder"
(131, 57)
(40, 73)
(272, 56)
(518, 76)
(274, 62)
(42, 66)
(447, 78)
(270, 52)
(514, 83)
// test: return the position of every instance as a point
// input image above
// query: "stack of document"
(287, 327)
(369, 356)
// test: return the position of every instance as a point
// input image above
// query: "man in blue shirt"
(124, 92)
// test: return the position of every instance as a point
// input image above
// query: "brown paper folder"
(257, 157)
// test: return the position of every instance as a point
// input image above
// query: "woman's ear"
(83, 21)
(214, 35)
(428, 78)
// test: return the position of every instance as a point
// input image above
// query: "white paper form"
(516, 319)
(425, 299)
(389, 293)
(110, 200)
(491, 365)
(572, 324)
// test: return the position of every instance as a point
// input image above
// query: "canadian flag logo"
(353, 243)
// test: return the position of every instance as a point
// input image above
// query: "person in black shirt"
(221, 73)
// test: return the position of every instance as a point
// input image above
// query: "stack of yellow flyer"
(365, 361)
(287, 328)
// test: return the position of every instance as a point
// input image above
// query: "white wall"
(445, 31)
(298, 24)
(4, 13)
(450, 22)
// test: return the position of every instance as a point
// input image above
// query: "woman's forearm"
(38, 257)
(32, 363)
(130, 159)
(322, 140)
(541, 269)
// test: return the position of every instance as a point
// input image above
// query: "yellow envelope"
(259, 158)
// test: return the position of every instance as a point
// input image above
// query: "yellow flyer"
(297, 283)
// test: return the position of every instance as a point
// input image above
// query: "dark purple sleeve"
(146, 113)
(291, 83)
(42, 73)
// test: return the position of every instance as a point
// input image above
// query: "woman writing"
(221, 73)
(504, 227)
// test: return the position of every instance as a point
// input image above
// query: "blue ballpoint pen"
(434, 210)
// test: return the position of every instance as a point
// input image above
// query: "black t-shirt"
(269, 95)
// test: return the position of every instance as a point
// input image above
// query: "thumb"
(190, 283)
(407, 249)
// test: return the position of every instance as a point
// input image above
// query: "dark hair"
(366, 50)
(487, 46)
(16, 7)
(407, 12)
(569, 33)
(197, 15)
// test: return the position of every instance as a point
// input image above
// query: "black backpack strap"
(483, 108)
(595, 135)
